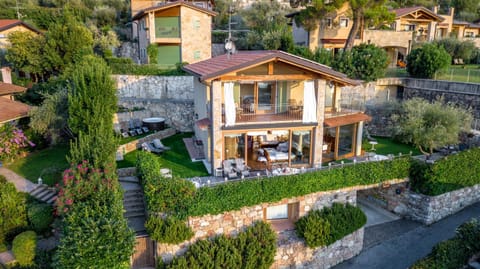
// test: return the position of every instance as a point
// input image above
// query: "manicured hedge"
(451, 173)
(324, 227)
(23, 247)
(168, 230)
(254, 248)
(13, 217)
(235, 195)
(454, 253)
(40, 216)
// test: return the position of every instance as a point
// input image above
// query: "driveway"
(400, 251)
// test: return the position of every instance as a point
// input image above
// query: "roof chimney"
(435, 9)
(6, 75)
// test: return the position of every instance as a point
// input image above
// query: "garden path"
(20, 182)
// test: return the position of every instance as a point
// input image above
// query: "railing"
(248, 113)
(459, 74)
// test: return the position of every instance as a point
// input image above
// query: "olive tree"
(430, 126)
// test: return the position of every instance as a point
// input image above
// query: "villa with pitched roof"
(10, 26)
(268, 107)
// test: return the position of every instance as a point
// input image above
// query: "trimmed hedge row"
(254, 248)
(451, 173)
(169, 230)
(454, 253)
(235, 195)
(324, 227)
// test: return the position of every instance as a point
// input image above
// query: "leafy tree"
(95, 233)
(320, 55)
(423, 62)
(365, 61)
(50, 119)
(456, 48)
(67, 42)
(25, 53)
(430, 126)
(91, 104)
(364, 13)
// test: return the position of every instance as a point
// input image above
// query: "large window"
(345, 143)
(234, 146)
(167, 27)
(301, 146)
(168, 55)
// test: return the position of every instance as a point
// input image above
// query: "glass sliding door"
(301, 146)
(265, 92)
(234, 146)
(346, 141)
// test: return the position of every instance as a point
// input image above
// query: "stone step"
(38, 189)
(131, 207)
(129, 179)
(134, 213)
(51, 200)
(136, 193)
(133, 202)
(45, 195)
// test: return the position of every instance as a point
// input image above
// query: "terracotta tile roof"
(7, 24)
(7, 88)
(347, 119)
(11, 110)
(400, 12)
(170, 5)
(224, 64)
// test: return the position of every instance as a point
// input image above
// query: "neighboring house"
(411, 25)
(137, 6)
(270, 107)
(10, 26)
(10, 109)
(181, 32)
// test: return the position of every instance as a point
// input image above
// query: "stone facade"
(426, 209)
(169, 97)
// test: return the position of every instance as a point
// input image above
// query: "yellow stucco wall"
(196, 35)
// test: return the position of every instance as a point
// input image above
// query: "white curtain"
(309, 102)
(230, 112)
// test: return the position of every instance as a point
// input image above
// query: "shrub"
(448, 174)
(324, 227)
(23, 247)
(12, 142)
(40, 216)
(169, 230)
(425, 61)
(455, 252)
(13, 215)
(235, 195)
(253, 248)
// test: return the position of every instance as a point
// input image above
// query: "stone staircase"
(133, 203)
(44, 193)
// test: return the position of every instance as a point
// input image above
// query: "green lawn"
(48, 163)
(177, 158)
(461, 73)
(387, 146)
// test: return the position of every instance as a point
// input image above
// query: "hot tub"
(155, 124)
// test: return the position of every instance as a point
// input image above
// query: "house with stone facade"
(411, 25)
(271, 107)
(178, 31)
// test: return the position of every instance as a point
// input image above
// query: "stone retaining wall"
(136, 144)
(430, 209)
(292, 252)
(423, 208)
(169, 97)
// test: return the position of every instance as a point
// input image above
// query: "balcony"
(267, 114)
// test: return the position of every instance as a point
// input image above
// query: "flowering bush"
(81, 183)
(12, 142)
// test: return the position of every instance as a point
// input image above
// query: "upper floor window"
(469, 34)
(167, 27)
(328, 22)
(410, 27)
(196, 55)
(343, 22)
(200, 4)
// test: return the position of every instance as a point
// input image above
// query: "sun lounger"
(150, 148)
(159, 145)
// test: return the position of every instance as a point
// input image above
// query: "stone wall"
(169, 97)
(136, 144)
(291, 252)
(430, 209)
(426, 209)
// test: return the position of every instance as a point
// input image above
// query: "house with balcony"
(272, 107)
(179, 32)
(411, 25)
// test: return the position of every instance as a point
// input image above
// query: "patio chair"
(139, 131)
(132, 132)
(228, 169)
(150, 148)
(159, 145)
(145, 129)
(241, 168)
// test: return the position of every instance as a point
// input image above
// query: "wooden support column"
(217, 140)
(321, 87)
